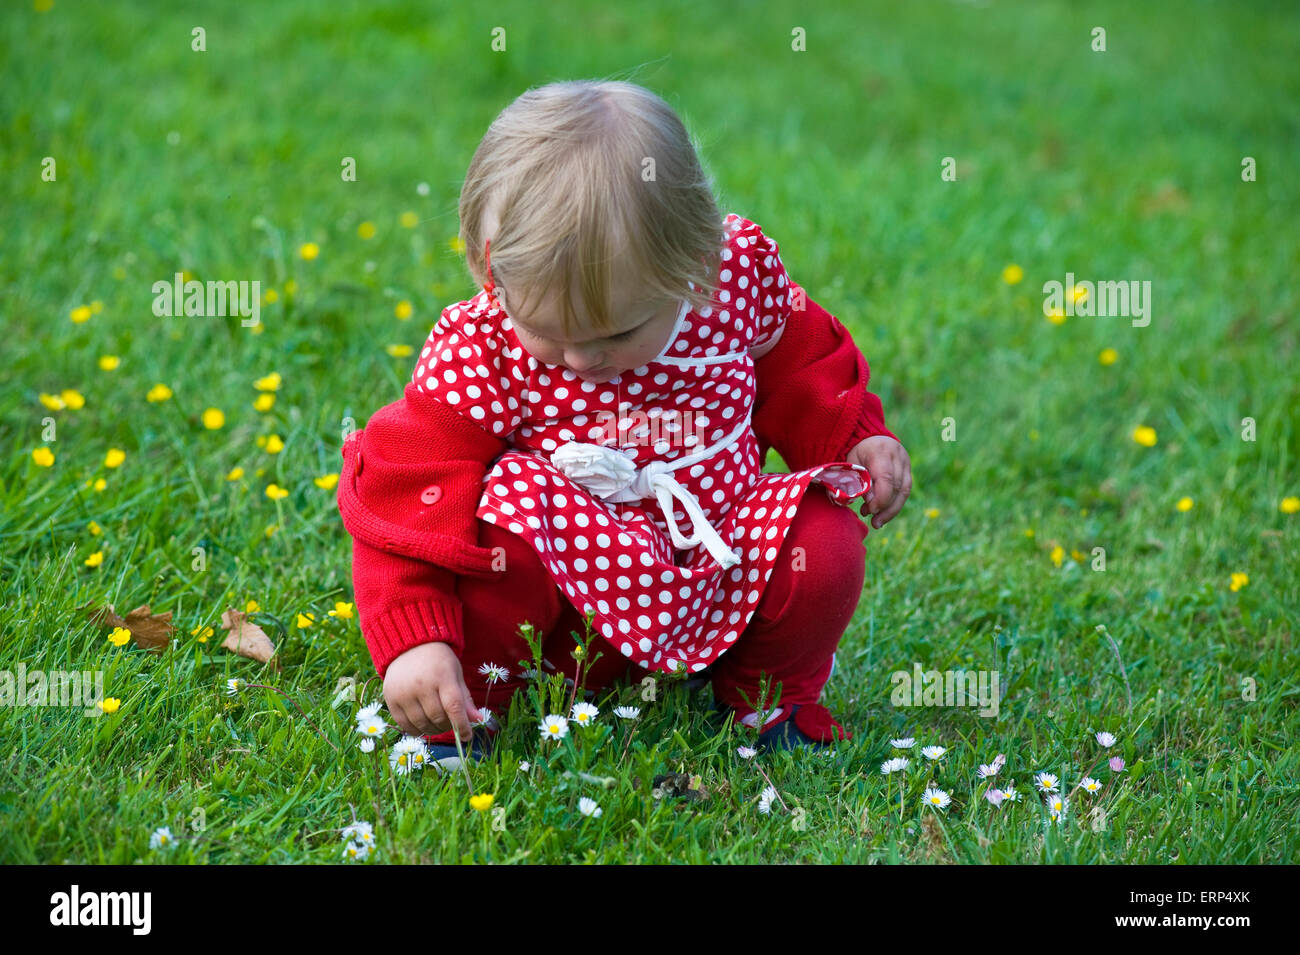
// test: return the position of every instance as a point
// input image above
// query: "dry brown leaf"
(246, 638)
(150, 631)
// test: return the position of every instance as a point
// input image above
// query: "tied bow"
(608, 474)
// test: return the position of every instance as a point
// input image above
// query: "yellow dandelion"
(202, 633)
(403, 310)
(482, 802)
(43, 456)
(1076, 556)
(327, 481)
(275, 492)
(271, 297)
(114, 457)
(97, 558)
(1185, 504)
(456, 244)
(1108, 356)
(1058, 555)
(409, 220)
(1238, 581)
(269, 382)
(271, 529)
(94, 529)
(157, 393)
(80, 314)
(110, 704)
(252, 607)
(932, 513)
(305, 620)
(343, 611)
(100, 484)
(1080, 293)
(96, 306)
(366, 230)
(1290, 505)
(274, 444)
(265, 402)
(73, 399)
(1056, 316)
(119, 273)
(109, 362)
(53, 402)
(1029, 532)
(213, 418)
(1012, 274)
(398, 351)
(234, 474)
(309, 250)
(119, 636)
(42, 6)
(290, 288)
(1145, 436)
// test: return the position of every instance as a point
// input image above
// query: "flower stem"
(299, 709)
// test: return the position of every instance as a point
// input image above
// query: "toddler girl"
(584, 440)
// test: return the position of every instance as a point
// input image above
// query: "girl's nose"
(582, 363)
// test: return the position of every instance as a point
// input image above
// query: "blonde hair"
(565, 169)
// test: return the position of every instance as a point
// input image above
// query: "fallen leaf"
(246, 638)
(149, 631)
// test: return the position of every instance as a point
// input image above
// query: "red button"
(431, 494)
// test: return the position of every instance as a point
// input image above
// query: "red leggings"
(808, 603)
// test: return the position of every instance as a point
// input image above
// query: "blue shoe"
(803, 725)
(445, 756)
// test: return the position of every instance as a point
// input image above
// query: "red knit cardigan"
(412, 478)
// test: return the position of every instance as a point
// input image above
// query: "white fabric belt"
(611, 476)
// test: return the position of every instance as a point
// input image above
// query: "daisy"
(905, 743)
(369, 712)
(1046, 782)
(162, 838)
(999, 761)
(234, 686)
(408, 755)
(1105, 739)
(1090, 784)
(361, 832)
(528, 674)
(627, 712)
(484, 716)
(588, 807)
(746, 752)
(584, 713)
(895, 765)
(374, 726)
(355, 852)
(1058, 806)
(933, 752)
(936, 798)
(1116, 764)
(494, 673)
(994, 796)
(524, 766)
(366, 744)
(987, 770)
(766, 799)
(1009, 794)
(554, 727)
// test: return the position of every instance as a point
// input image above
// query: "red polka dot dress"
(643, 495)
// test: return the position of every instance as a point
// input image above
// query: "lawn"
(1071, 472)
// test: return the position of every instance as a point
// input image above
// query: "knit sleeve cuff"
(391, 634)
(871, 422)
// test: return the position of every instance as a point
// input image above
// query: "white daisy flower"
(528, 674)
(588, 807)
(234, 686)
(746, 752)
(524, 765)
(494, 673)
(627, 712)
(369, 712)
(766, 799)
(1106, 739)
(895, 765)
(367, 744)
(554, 727)
(1058, 806)
(584, 713)
(1046, 782)
(936, 798)
(162, 838)
(999, 761)
(906, 742)
(484, 716)
(369, 722)
(933, 752)
(408, 755)
(355, 852)
(994, 796)
(1009, 794)
(361, 832)
(986, 771)
(1090, 784)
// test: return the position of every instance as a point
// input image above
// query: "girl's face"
(642, 328)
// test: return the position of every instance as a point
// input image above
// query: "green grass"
(1115, 165)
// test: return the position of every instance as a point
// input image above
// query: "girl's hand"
(426, 693)
(891, 476)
